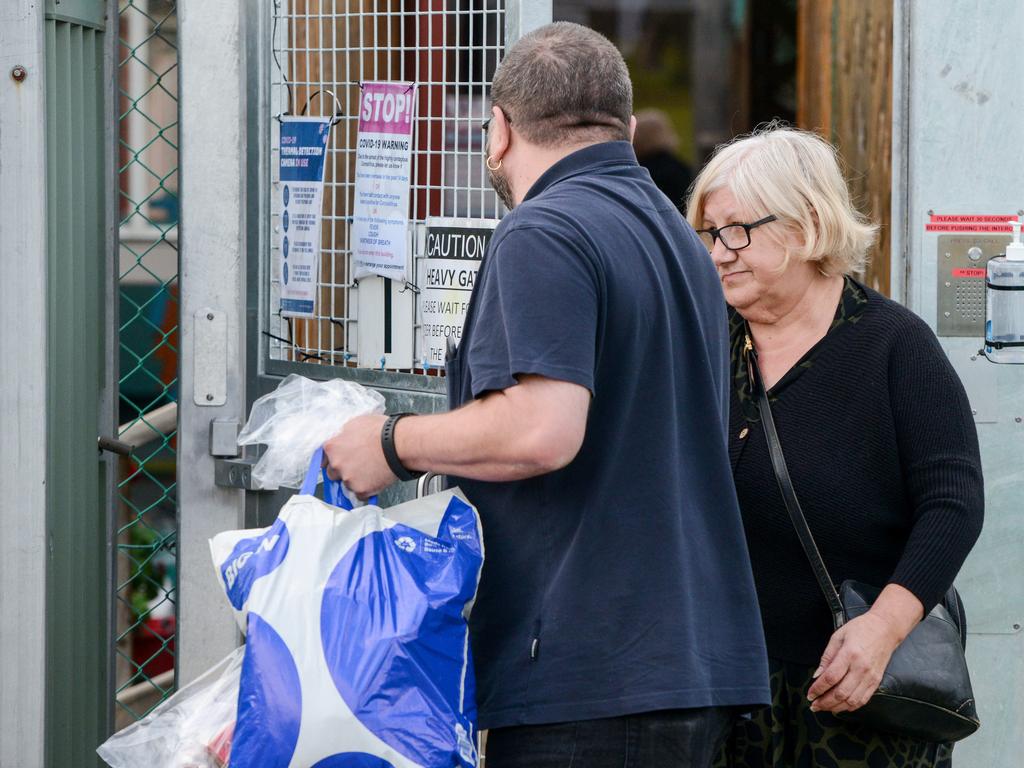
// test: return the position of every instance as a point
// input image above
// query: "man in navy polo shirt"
(616, 622)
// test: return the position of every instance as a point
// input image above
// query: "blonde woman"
(876, 430)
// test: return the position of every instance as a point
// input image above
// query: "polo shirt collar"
(583, 160)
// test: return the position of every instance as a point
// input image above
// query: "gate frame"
(23, 325)
(211, 107)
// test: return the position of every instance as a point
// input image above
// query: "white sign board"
(453, 249)
(302, 153)
(380, 215)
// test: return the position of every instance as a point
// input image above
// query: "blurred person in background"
(656, 144)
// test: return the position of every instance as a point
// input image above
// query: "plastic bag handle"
(333, 489)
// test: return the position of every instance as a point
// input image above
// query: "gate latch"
(234, 473)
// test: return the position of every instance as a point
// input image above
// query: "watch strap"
(387, 444)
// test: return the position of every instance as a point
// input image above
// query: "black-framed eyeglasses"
(735, 237)
(487, 123)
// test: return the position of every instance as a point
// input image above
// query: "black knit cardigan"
(882, 448)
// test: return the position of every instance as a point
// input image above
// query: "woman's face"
(752, 278)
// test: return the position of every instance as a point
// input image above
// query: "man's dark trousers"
(674, 738)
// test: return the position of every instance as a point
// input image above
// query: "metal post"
(212, 312)
(524, 16)
(23, 348)
(134, 31)
(108, 406)
(899, 261)
(713, 81)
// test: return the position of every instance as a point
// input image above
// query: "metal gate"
(319, 61)
(305, 57)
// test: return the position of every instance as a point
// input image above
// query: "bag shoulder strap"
(796, 514)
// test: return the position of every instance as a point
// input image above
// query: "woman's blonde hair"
(795, 175)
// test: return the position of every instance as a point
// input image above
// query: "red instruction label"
(961, 222)
(969, 272)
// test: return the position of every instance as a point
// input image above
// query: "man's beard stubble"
(499, 181)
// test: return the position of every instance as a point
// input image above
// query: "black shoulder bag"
(925, 691)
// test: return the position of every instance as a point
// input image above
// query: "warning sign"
(975, 272)
(380, 213)
(303, 153)
(968, 223)
(454, 249)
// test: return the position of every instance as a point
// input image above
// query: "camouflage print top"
(851, 307)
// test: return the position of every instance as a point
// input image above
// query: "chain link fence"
(148, 340)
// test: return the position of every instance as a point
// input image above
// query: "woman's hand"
(858, 652)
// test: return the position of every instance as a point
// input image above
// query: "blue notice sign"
(303, 154)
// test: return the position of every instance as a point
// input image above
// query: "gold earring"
(490, 167)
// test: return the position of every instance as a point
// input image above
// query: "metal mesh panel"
(322, 51)
(148, 287)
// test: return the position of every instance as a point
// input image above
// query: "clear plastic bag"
(192, 729)
(296, 419)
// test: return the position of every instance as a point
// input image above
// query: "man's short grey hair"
(565, 84)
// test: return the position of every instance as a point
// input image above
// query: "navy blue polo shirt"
(621, 583)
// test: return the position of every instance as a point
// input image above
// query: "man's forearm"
(527, 430)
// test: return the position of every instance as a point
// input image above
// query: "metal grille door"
(322, 51)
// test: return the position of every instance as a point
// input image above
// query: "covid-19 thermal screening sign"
(303, 151)
(380, 215)
(453, 250)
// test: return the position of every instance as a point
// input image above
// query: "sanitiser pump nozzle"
(1015, 250)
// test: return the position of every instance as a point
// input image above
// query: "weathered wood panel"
(844, 85)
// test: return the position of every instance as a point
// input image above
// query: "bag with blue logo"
(357, 648)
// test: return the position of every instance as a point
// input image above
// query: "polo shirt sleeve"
(538, 312)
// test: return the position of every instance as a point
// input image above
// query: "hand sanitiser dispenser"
(1004, 303)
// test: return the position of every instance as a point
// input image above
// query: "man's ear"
(499, 135)
(632, 128)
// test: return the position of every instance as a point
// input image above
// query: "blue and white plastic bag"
(357, 647)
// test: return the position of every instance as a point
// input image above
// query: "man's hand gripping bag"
(357, 647)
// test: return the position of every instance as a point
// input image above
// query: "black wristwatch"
(387, 444)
